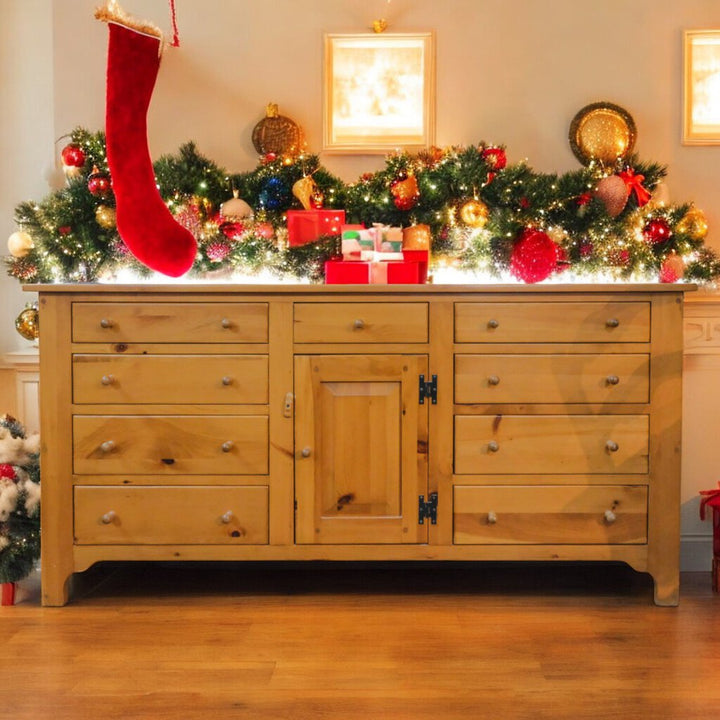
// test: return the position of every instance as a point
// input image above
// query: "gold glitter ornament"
(693, 223)
(474, 213)
(105, 217)
(27, 323)
(303, 189)
(603, 132)
(20, 244)
(612, 190)
(277, 134)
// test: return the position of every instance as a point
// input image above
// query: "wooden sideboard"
(277, 422)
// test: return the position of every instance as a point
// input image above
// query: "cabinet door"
(360, 448)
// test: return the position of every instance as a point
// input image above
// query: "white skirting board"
(696, 552)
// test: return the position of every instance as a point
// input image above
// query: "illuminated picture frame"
(701, 87)
(378, 92)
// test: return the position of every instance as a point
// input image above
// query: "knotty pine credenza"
(299, 422)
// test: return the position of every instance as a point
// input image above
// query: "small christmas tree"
(19, 500)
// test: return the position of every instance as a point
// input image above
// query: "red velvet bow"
(710, 498)
(633, 182)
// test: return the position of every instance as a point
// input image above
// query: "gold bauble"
(20, 244)
(693, 223)
(105, 217)
(474, 213)
(603, 132)
(278, 134)
(416, 237)
(27, 323)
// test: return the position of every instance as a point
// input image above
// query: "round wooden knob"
(612, 322)
(106, 323)
(491, 518)
(107, 446)
(227, 380)
(493, 380)
(227, 517)
(492, 324)
(108, 517)
(107, 379)
(610, 517)
(611, 446)
(359, 324)
(306, 452)
(227, 446)
(225, 322)
(612, 379)
(493, 446)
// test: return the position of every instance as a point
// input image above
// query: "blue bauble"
(274, 195)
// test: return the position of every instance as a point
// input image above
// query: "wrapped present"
(7, 593)
(711, 499)
(339, 272)
(421, 257)
(306, 226)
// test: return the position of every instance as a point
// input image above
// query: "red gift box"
(306, 226)
(420, 257)
(711, 499)
(7, 593)
(339, 272)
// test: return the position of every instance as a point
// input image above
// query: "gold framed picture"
(378, 92)
(701, 87)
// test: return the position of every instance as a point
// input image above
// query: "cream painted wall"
(508, 71)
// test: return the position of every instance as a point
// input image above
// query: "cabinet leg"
(667, 591)
(55, 594)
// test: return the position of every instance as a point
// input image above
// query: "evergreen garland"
(73, 241)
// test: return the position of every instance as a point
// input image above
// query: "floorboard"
(396, 641)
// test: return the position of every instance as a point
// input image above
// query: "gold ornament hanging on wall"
(603, 132)
(277, 134)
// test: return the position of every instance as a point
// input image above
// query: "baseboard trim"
(696, 552)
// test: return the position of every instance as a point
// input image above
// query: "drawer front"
(170, 379)
(560, 444)
(552, 378)
(553, 515)
(495, 322)
(171, 515)
(170, 445)
(361, 322)
(170, 322)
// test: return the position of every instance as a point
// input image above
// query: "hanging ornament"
(405, 191)
(495, 157)
(235, 208)
(274, 194)
(232, 230)
(656, 231)
(416, 237)
(602, 132)
(27, 323)
(474, 213)
(99, 183)
(303, 190)
(379, 26)
(265, 230)
(73, 156)
(672, 269)
(105, 217)
(693, 223)
(613, 193)
(20, 244)
(317, 200)
(277, 134)
(534, 256)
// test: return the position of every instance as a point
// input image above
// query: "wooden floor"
(291, 642)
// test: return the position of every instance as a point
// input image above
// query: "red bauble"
(217, 251)
(534, 256)
(265, 230)
(99, 183)
(73, 155)
(657, 231)
(495, 157)
(232, 230)
(7, 471)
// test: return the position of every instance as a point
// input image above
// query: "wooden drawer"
(186, 322)
(170, 445)
(171, 515)
(360, 322)
(558, 444)
(554, 515)
(552, 378)
(170, 379)
(497, 322)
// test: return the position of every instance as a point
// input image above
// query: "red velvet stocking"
(143, 220)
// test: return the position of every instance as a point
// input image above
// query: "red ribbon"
(633, 183)
(710, 498)
(176, 38)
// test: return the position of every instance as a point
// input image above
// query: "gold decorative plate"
(602, 131)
